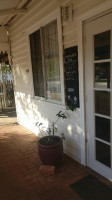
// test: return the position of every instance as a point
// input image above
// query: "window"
(45, 62)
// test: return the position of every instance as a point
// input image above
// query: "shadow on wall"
(29, 112)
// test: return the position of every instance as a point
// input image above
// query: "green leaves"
(61, 115)
(52, 128)
(55, 129)
(6, 68)
(63, 136)
(72, 107)
(49, 131)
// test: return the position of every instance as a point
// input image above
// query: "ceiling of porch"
(11, 8)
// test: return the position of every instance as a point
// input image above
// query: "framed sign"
(67, 13)
(71, 77)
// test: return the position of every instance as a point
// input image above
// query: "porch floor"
(8, 115)
(19, 164)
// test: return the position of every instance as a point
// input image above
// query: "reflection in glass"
(103, 153)
(102, 75)
(102, 126)
(102, 102)
(102, 46)
(36, 58)
(51, 56)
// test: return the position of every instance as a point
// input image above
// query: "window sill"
(56, 104)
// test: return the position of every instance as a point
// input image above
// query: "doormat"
(90, 188)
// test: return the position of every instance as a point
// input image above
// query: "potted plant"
(50, 147)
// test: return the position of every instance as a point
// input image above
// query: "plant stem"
(56, 121)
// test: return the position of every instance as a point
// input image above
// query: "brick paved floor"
(8, 115)
(19, 164)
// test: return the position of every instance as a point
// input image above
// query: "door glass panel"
(102, 102)
(102, 126)
(103, 153)
(102, 46)
(102, 75)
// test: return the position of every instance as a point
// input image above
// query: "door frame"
(100, 9)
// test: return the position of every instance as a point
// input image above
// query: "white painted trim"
(30, 68)
(44, 21)
(48, 103)
(81, 93)
(55, 15)
(96, 11)
(61, 56)
(5, 47)
(91, 13)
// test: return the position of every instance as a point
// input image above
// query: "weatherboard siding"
(28, 109)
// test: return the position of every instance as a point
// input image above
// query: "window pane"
(51, 56)
(102, 102)
(102, 126)
(102, 75)
(36, 58)
(103, 153)
(102, 46)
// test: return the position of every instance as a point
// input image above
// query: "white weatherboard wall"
(28, 109)
(4, 44)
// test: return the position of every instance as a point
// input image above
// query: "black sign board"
(71, 77)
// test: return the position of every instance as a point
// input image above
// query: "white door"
(98, 94)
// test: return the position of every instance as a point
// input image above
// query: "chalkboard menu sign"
(71, 77)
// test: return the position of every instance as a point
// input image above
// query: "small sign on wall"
(71, 77)
(67, 13)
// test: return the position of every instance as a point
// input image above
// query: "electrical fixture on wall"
(67, 13)
(27, 70)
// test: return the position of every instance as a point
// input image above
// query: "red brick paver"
(19, 169)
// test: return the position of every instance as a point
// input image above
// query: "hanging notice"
(71, 77)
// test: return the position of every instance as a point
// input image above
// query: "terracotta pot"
(51, 154)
